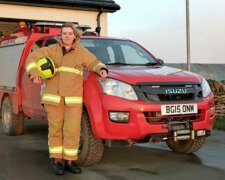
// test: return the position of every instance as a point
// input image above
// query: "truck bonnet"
(134, 73)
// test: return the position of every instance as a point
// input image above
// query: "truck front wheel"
(13, 124)
(186, 146)
(91, 148)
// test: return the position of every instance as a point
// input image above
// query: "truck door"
(31, 93)
(38, 89)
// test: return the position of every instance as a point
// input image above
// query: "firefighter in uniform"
(63, 94)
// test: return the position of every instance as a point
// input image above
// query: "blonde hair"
(72, 26)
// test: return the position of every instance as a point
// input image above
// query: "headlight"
(118, 88)
(205, 88)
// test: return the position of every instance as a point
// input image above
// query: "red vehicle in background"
(141, 101)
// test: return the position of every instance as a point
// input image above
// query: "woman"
(63, 94)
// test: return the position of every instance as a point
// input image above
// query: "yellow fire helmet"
(46, 68)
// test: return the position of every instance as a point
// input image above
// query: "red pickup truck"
(141, 101)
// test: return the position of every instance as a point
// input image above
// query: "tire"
(13, 124)
(186, 146)
(91, 148)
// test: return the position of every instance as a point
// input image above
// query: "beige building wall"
(54, 14)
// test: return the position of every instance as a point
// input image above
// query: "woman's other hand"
(36, 80)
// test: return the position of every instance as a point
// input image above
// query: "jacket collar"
(75, 45)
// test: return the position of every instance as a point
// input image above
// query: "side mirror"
(1, 34)
(161, 61)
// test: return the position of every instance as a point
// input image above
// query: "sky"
(160, 26)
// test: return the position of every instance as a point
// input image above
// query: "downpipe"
(98, 28)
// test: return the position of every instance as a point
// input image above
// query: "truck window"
(118, 51)
(50, 42)
(111, 54)
(99, 50)
(133, 55)
(37, 45)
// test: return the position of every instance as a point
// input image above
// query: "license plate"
(179, 109)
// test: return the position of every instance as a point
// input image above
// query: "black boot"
(58, 166)
(72, 167)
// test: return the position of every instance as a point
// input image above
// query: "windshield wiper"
(151, 64)
(147, 64)
(116, 63)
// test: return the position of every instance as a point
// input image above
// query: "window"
(111, 51)
(111, 54)
(37, 45)
(133, 55)
(50, 42)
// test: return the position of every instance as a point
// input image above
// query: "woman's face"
(68, 36)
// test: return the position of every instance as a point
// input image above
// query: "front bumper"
(138, 126)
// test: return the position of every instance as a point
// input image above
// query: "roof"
(92, 5)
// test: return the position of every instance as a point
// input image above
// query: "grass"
(219, 124)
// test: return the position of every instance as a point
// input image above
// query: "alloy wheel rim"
(6, 117)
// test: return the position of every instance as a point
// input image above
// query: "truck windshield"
(122, 52)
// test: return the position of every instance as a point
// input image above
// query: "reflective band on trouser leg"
(69, 69)
(56, 150)
(99, 64)
(30, 66)
(73, 100)
(50, 97)
(70, 152)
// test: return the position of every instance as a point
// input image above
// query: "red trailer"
(141, 101)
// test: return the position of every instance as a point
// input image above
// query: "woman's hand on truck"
(37, 79)
(103, 73)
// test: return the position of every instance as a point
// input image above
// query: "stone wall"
(218, 89)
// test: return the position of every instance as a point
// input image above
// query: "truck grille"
(168, 92)
(156, 117)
